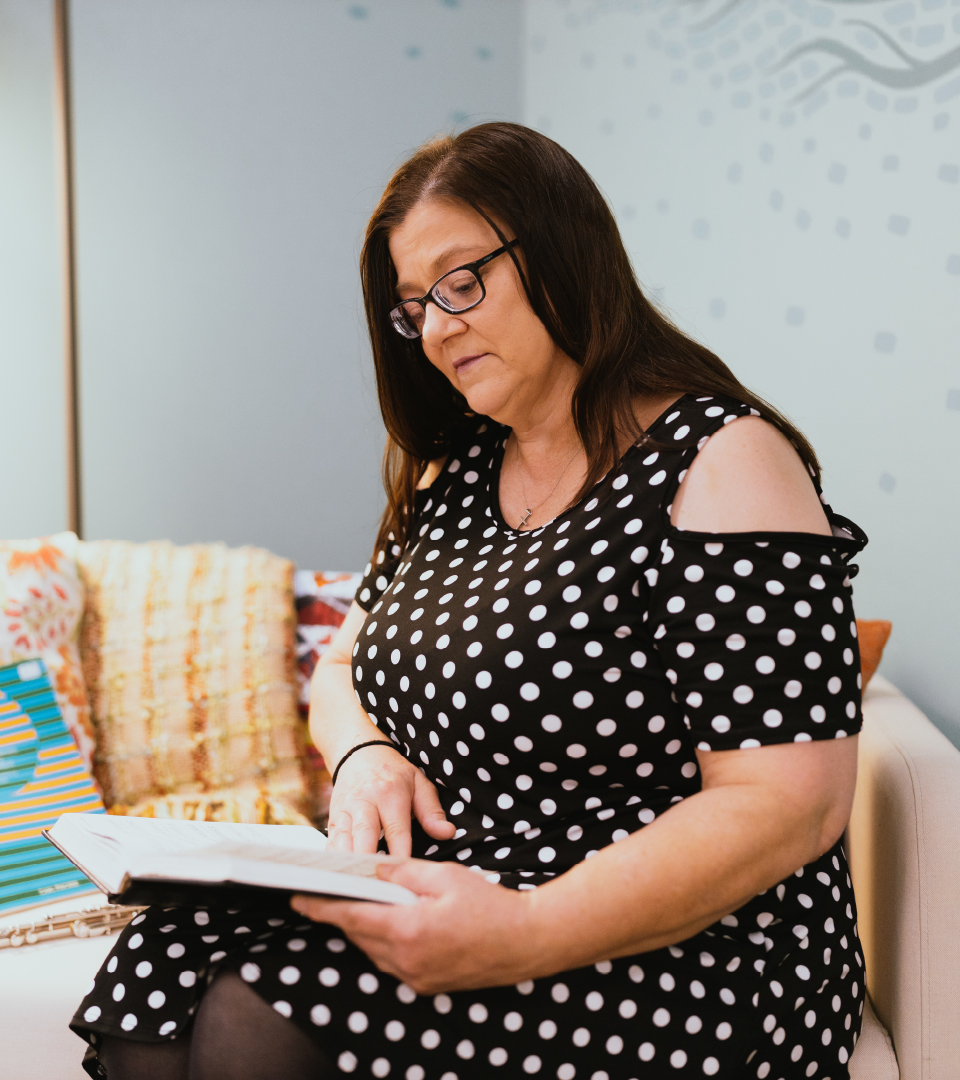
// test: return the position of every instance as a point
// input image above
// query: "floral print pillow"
(41, 604)
(323, 600)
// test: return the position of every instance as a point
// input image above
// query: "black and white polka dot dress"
(555, 684)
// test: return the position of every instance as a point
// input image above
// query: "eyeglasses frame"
(473, 267)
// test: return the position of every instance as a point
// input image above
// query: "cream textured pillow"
(244, 809)
(41, 601)
(188, 655)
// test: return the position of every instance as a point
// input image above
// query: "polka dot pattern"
(555, 685)
(776, 660)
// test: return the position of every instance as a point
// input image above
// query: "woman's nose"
(438, 325)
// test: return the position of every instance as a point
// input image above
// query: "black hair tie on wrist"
(360, 746)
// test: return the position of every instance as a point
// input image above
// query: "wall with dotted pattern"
(786, 175)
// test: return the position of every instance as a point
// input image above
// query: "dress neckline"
(496, 466)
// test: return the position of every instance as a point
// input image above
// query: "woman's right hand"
(379, 789)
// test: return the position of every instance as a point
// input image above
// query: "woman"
(600, 679)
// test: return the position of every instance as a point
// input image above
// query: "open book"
(206, 863)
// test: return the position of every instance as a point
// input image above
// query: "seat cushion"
(40, 989)
(873, 1058)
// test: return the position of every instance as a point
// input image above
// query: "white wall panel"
(228, 155)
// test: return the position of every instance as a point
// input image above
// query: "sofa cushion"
(40, 988)
(188, 655)
(873, 1057)
(41, 601)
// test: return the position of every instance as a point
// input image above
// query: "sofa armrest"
(904, 847)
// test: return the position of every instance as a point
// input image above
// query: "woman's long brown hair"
(580, 284)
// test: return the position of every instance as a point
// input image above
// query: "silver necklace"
(523, 488)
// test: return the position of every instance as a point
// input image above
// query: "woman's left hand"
(464, 934)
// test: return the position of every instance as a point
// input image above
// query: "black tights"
(236, 1036)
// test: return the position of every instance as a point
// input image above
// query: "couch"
(905, 858)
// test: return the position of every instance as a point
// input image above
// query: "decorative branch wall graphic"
(917, 73)
(796, 39)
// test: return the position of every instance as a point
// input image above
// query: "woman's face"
(498, 355)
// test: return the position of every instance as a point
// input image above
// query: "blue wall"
(793, 200)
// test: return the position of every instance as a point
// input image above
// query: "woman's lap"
(627, 1018)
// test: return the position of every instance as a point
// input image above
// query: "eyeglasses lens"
(455, 292)
(408, 319)
(459, 290)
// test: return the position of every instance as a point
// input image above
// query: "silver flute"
(91, 922)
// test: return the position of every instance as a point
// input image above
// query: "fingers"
(366, 827)
(313, 907)
(376, 795)
(395, 816)
(425, 878)
(334, 912)
(356, 829)
(429, 812)
(340, 831)
(364, 923)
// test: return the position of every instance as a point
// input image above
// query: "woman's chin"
(486, 398)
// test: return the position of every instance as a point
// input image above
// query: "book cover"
(143, 861)
(41, 776)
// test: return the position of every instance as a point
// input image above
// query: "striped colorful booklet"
(41, 776)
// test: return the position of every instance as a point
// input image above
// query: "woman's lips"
(465, 362)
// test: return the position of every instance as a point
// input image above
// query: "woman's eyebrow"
(439, 261)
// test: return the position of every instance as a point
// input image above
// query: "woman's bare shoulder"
(749, 478)
(431, 472)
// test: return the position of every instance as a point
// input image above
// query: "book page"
(306, 874)
(342, 862)
(104, 847)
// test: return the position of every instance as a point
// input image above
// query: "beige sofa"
(905, 854)
(904, 845)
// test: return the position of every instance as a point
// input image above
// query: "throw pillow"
(41, 777)
(188, 655)
(246, 809)
(323, 600)
(872, 635)
(41, 602)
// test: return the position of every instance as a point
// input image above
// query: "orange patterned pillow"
(41, 601)
(188, 654)
(872, 635)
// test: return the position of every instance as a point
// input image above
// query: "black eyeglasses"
(457, 291)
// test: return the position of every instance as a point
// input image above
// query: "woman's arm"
(337, 720)
(761, 814)
(748, 478)
(377, 790)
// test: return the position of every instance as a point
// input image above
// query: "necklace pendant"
(525, 518)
